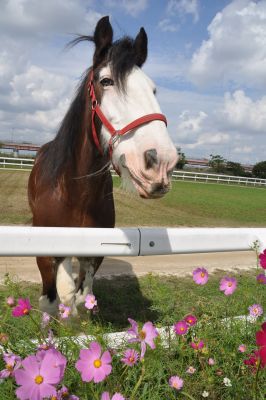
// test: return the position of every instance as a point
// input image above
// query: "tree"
(217, 163)
(235, 168)
(181, 160)
(259, 170)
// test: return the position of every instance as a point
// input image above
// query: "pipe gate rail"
(25, 164)
(43, 241)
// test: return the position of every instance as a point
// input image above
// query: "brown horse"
(114, 118)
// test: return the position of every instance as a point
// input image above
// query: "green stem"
(256, 383)
(138, 383)
(187, 395)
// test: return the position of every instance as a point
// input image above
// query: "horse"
(114, 119)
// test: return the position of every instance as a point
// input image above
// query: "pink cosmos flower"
(262, 258)
(228, 285)
(131, 357)
(242, 348)
(176, 382)
(10, 301)
(64, 311)
(146, 336)
(93, 365)
(90, 301)
(255, 310)
(181, 328)
(253, 361)
(200, 276)
(63, 394)
(261, 278)
(191, 320)
(261, 343)
(116, 396)
(23, 308)
(211, 361)
(45, 319)
(191, 370)
(197, 344)
(36, 379)
(12, 363)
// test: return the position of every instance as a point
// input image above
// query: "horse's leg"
(48, 302)
(87, 269)
(65, 284)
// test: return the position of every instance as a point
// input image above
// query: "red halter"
(115, 134)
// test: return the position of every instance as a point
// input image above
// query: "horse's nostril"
(150, 158)
(160, 188)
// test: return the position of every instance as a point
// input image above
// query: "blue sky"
(207, 58)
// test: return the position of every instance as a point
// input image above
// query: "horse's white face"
(145, 156)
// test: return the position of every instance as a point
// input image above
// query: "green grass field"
(188, 204)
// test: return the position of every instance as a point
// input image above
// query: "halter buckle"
(114, 138)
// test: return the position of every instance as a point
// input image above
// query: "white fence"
(27, 163)
(40, 241)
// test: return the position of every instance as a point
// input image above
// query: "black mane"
(60, 152)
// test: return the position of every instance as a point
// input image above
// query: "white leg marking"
(65, 284)
(87, 283)
(47, 306)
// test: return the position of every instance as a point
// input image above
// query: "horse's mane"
(61, 152)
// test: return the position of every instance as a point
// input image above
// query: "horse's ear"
(141, 47)
(103, 37)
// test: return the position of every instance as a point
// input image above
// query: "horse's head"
(144, 154)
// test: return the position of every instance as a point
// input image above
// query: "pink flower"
(131, 357)
(261, 343)
(181, 328)
(176, 382)
(116, 396)
(90, 301)
(200, 276)
(191, 320)
(191, 370)
(45, 319)
(197, 344)
(10, 301)
(64, 311)
(228, 285)
(242, 348)
(261, 278)
(211, 361)
(253, 360)
(63, 394)
(12, 363)
(93, 365)
(37, 379)
(23, 308)
(262, 258)
(145, 336)
(255, 310)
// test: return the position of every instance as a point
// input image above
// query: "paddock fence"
(25, 164)
(86, 242)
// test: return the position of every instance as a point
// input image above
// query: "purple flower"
(200, 276)
(255, 310)
(242, 348)
(181, 328)
(197, 344)
(45, 319)
(10, 301)
(12, 363)
(191, 320)
(90, 301)
(262, 258)
(92, 365)
(131, 357)
(176, 382)
(64, 311)
(63, 394)
(23, 308)
(116, 396)
(228, 285)
(146, 336)
(211, 361)
(261, 278)
(37, 379)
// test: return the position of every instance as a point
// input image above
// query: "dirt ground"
(25, 268)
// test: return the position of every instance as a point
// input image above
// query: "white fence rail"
(40, 241)
(27, 163)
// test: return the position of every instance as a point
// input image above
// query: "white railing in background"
(27, 163)
(40, 241)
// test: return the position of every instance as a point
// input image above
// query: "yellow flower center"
(131, 359)
(142, 335)
(202, 274)
(182, 328)
(25, 311)
(38, 379)
(97, 363)
(229, 284)
(9, 367)
(255, 310)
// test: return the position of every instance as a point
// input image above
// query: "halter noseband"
(115, 133)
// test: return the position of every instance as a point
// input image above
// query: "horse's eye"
(107, 82)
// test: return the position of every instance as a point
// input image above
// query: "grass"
(163, 300)
(188, 204)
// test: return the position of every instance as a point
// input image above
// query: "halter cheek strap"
(115, 133)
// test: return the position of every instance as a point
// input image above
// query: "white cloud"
(166, 25)
(236, 48)
(184, 7)
(132, 7)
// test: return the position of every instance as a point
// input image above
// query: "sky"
(206, 57)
